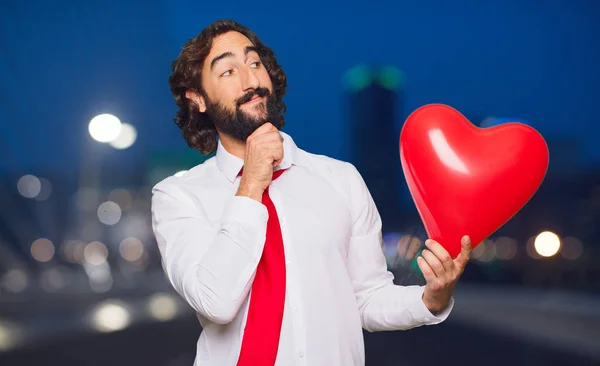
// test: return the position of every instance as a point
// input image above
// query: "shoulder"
(330, 167)
(188, 182)
(340, 175)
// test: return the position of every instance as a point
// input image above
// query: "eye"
(227, 73)
(255, 65)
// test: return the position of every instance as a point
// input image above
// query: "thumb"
(465, 253)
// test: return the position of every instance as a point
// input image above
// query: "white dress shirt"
(337, 281)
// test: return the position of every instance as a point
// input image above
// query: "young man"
(278, 250)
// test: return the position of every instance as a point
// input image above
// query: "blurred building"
(375, 103)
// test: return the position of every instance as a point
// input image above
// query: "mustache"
(261, 92)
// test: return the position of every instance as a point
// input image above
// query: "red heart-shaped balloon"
(467, 180)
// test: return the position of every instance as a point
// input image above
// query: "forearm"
(394, 307)
(225, 274)
(382, 304)
(213, 268)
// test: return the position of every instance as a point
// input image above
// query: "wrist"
(250, 190)
(434, 305)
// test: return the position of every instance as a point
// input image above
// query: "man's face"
(237, 87)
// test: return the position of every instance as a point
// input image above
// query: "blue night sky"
(64, 62)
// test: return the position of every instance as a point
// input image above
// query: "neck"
(233, 146)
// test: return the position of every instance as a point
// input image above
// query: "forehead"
(233, 42)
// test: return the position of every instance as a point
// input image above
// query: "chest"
(315, 218)
(314, 215)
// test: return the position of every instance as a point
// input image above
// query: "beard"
(239, 124)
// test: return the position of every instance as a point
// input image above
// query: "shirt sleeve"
(211, 265)
(383, 305)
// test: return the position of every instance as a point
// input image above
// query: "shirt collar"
(231, 165)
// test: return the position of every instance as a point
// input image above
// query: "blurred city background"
(86, 130)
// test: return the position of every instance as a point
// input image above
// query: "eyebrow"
(224, 55)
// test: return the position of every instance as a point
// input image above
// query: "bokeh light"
(485, 252)
(110, 317)
(73, 251)
(109, 213)
(29, 186)
(126, 137)
(506, 248)
(45, 190)
(547, 244)
(105, 128)
(121, 197)
(15, 280)
(162, 306)
(10, 335)
(357, 78)
(571, 248)
(42, 250)
(95, 253)
(131, 249)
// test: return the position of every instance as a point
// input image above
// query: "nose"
(249, 79)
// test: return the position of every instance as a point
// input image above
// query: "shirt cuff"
(420, 312)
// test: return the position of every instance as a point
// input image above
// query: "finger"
(273, 154)
(277, 153)
(272, 136)
(269, 127)
(465, 252)
(269, 145)
(277, 156)
(264, 128)
(434, 263)
(441, 253)
(426, 270)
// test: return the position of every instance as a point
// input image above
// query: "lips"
(254, 99)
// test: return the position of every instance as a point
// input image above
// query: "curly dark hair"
(198, 129)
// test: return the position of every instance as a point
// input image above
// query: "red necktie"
(265, 314)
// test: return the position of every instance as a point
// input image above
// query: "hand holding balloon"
(441, 272)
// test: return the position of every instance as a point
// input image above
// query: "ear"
(197, 98)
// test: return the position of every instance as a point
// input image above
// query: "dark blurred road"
(489, 326)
